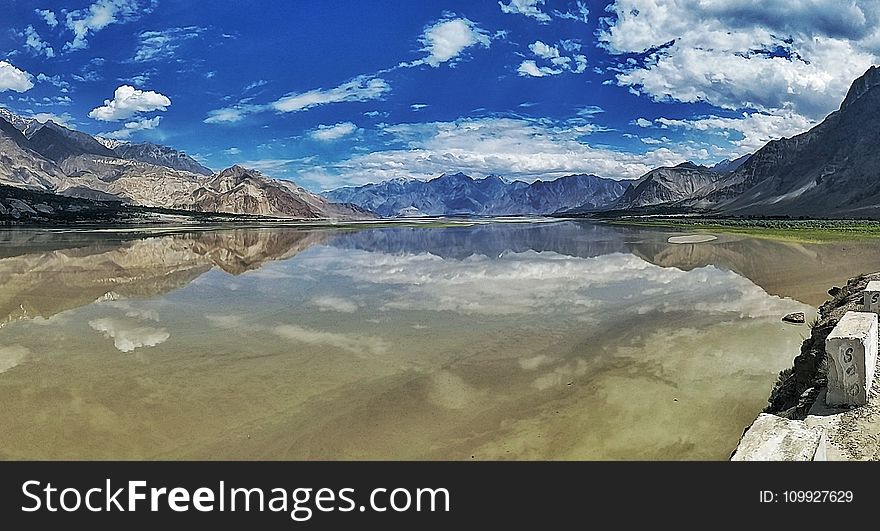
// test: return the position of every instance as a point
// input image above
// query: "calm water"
(555, 340)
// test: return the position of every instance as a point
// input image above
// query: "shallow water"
(558, 340)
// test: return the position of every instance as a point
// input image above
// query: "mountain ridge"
(459, 194)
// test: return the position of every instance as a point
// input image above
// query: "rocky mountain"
(727, 165)
(57, 143)
(21, 166)
(459, 194)
(667, 185)
(831, 170)
(238, 189)
(54, 159)
(160, 156)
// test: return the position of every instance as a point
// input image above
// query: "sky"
(340, 93)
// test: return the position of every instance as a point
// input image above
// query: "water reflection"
(528, 341)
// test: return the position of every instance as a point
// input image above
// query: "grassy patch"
(803, 230)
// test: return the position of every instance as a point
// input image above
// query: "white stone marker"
(872, 297)
(852, 354)
(772, 438)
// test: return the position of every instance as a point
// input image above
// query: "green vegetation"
(806, 230)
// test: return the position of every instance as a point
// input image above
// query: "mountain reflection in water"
(558, 340)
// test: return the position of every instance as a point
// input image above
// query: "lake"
(486, 340)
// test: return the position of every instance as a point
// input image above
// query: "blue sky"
(349, 92)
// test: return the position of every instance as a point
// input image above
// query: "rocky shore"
(799, 392)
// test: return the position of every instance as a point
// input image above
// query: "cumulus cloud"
(328, 133)
(64, 119)
(540, 284)
(128, 101)
(12, 78)
(518, 148)
(129, 334)
(48, 16)
(642, 122)
(156, 45)
(544, 50)
(755, 128)
(85, 22)
(794, 58)
(558, 62)
(529, 8)
(447, 39)
(131, 127)
(37, 44)
(54, 80)
(530, 68)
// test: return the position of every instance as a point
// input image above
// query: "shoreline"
(798, 395)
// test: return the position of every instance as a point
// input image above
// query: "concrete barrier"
(772, 438)
(871, 302)
(851, 349)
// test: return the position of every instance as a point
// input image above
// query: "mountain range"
(460, 194)
(832, 170)
(50, 158)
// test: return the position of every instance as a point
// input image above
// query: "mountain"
(667, 185)
(238, 189)
(727, 165)
(20, 165)
(53, 159)
(160, 156)
(831, 170)
(459, 194)
(57, 143)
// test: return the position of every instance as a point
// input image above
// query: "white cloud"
(54, 80)
(155, 45)
(361, 88)
(756, 128)
(232, 151)
(48, 16)
(544, 50)
(129, 334)
(35, 43)
(447, 39)
(529, 8)
(516, 148)
(559, 62)
(328, 133)
(530, 68)
(84, 22)
(228, 115)
(581, 14)
(128, 101)
(418, 106)
(12, 78)
(359, 345)
(329, 303)
(796, 57)
(642, 122)
(11, 356)
(131, 127)
(256, 84)
(64, 119)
